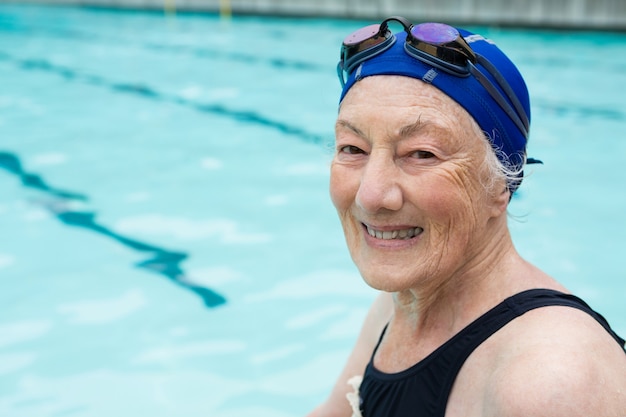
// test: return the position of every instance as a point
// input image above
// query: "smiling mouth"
(400, 234)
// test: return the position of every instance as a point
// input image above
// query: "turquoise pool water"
(168, 247)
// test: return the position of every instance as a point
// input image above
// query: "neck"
(444, 306)
(424, 318)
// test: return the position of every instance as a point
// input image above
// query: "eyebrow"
(421, 125)
(404, 132)
(413, 128)
(347, 125)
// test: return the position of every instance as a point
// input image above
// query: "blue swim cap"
(504, 135)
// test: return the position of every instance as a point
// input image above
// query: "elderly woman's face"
(406, 180)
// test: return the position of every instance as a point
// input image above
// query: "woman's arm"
(379, 314)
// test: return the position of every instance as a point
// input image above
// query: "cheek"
(341, 188)
(452, 203)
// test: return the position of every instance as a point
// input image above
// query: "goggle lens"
(364, 34)
(435, 33)
(362, 45)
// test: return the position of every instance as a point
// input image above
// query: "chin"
(381, 279)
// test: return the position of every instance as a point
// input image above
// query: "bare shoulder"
(557, 362)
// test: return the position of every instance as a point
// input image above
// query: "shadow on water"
(162, 261)
(11, 163)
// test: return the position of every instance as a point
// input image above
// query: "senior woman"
(430, 145)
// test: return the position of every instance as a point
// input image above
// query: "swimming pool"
(168, 245)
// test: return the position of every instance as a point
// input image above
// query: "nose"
(379, 188)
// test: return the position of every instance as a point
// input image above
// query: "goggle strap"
(506, 87)
(435, 62)
(340, 74)
(497, 95)
(361, 57)
(404, 22)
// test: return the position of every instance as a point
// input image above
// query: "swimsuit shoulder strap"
(467, 340)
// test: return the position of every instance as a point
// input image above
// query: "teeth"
(395, 234)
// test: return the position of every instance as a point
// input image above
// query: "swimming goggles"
(435, 44)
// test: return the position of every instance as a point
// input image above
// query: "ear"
(500, 202)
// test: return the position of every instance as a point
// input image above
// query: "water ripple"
(162, 261)
(147, 92)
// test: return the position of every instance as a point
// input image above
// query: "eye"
(351, 149)
(423, 154)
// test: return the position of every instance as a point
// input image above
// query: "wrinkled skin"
(407, 156)
(407, 182)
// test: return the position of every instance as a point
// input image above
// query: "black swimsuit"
(423, 389)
